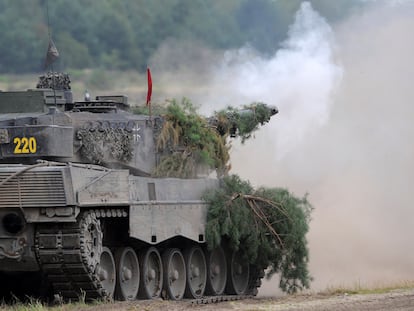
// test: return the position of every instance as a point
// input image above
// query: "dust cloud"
(344, 134)
(363, 219)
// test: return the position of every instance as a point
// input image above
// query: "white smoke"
(299, 79)
(358, 166)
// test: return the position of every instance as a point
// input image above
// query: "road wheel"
(174, 273)
(151, 274)
(127, 268)
(216, 271)
(106, 273)
(196, 269)
(238, 275)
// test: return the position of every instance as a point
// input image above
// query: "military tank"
(81, 215)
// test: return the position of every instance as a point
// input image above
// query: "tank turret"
(45, 123)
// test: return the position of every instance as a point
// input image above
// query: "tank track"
(217, 299)
(63, 255)
(255, 280)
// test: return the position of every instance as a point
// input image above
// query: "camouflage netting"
(104, 145)
(268, 224)
(54, 80)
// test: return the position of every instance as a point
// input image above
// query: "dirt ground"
(392, 301)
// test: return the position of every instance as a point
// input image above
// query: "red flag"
(149, 93)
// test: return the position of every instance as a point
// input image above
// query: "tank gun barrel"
(242, 122)
(272, 110)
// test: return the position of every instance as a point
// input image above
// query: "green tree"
(73, 53)
(269, 226)
(23, 41)
(124, 34)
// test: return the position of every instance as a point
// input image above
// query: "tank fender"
(109, 188)
(52, 214)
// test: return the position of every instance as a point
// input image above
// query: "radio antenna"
(52, 52)
(48, 20)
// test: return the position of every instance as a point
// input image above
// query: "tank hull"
(75, 224)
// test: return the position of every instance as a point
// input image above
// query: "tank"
(83, 217)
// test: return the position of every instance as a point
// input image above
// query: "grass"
(359, 289)
(33, 304)
(37, 305)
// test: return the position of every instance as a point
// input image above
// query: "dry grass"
(37, 305)
(362, 289)
(356, 289)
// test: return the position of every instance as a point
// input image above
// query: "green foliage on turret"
(190, 143)
(269, 225)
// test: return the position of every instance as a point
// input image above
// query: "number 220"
(25, 145)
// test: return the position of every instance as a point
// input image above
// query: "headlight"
(13, 223)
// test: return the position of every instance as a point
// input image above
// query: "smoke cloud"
(358, 165)
(299, 79)
(363, 221)
(344, 133)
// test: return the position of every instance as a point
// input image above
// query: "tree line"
(123, 34)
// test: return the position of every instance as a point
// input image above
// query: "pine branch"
(259, 213)
(279, 206)
(271, 234)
